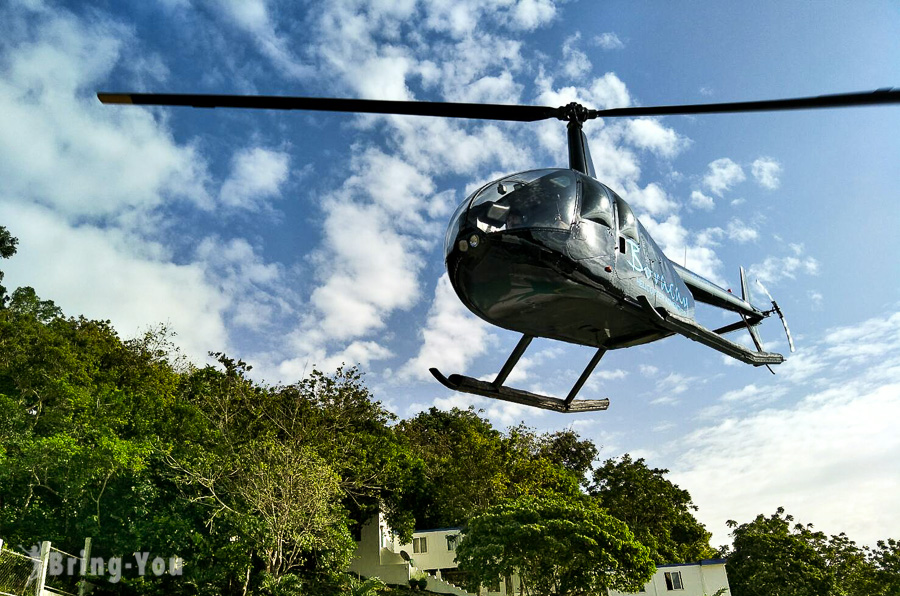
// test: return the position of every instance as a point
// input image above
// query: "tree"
(468, 465)
(658, 512)
(555, 547)
(771, 557)
(569, 450)
(885, 560)
(462, 471)
(7, 249)
(279, 494)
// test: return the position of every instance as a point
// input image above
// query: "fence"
(67, 566)
(26, 575)
(19, 573)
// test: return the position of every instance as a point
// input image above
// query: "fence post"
(42, 575)
(85, 558)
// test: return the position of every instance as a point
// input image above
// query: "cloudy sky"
(295, 240)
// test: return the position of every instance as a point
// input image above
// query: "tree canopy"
(774, 555)
(658, 512)
(7, 249)
(555, 546)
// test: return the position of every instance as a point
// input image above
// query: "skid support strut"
(497, 390)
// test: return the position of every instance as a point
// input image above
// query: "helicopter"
(554, 252)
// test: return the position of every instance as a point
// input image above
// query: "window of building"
(420, 545)
(452, 541)
(673, 580)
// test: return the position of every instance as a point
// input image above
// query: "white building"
(706, 578)
(432, 554)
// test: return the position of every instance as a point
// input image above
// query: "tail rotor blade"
(787, 330)
(777, 310)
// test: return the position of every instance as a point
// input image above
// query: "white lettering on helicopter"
(670, 291)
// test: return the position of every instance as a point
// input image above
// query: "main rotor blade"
(478, 111)
(841, 100)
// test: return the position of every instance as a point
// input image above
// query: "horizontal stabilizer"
(483, 388)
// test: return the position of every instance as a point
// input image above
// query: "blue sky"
(292, 240)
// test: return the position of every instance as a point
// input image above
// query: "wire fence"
(18, 573)
(63, 574)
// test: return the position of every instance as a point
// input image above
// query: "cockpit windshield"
(535, 199)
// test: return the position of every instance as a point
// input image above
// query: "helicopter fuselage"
(554, 253)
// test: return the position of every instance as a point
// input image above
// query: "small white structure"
(706, 578)
(379, 554)
(432, 554)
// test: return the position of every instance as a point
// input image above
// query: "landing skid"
(497, 390)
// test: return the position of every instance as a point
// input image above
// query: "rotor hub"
(575, 112)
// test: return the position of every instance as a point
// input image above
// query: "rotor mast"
(579, 152)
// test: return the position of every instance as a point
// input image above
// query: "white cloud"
(253, 288)
(452, 338)
(741, 232)
(647, 133)
(753, 394)
(608, 41)
(702, 201)
(575, 62)
(362, 251)
(694, 250)
(766, 171)
(62, 148)
(257, 174)
(806, 456)
(531, 14)
(652, 199)
(609, 91)
(774, 269)
(107, 274)
(723, 174)
(253, 16)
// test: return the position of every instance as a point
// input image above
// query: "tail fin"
(745, 294)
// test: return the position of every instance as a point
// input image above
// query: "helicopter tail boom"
(713, 339)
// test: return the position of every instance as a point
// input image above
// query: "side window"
(451, 541)
(627, 221)
(420, 545)
(673, 580)
(596, 204)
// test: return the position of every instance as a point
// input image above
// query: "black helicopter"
(555, 253)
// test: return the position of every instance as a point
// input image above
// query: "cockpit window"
(596, 204)
(456, 221)
(537, 199)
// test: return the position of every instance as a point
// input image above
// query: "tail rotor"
(777, 310)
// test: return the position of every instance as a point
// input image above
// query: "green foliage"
(885, 561)
(337, 416)
(566, 547)
(7, 249)
(772, 556)
(364, 587)
(468, 466)
(658, 512)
